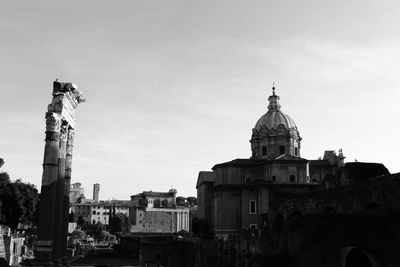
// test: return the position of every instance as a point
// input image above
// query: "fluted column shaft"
(59, 223)
(47, 208)
(67, 186)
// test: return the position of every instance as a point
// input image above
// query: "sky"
(175, 87)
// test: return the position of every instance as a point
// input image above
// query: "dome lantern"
(274, 101)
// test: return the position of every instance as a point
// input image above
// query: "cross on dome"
(274, 100)
(273, 88)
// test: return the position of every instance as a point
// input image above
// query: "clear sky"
(175, 87)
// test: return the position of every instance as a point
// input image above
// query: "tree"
(202, 228)
(4, 192)
(19, 203)
(76, 235)
(113, 239)
(192, 201)
(105, 236)
(119, 223)
(80, 220)
(181, 201)
(94, 230)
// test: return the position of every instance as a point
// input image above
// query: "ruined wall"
(313, 229)
(381, 192)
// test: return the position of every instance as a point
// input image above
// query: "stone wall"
(314, 229)
(382, 192)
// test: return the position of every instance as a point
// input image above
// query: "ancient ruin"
(54, 203)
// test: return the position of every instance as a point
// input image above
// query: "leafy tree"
(19, 204)
(80, 221)
(113, 239)
(181, 201)
(202, 228)
(18, 201)
(192, 201)
(28, 198)
(76, 235)
(119, 223)
(4, 192)
(105, 236)
(93, 230)
(4, 180)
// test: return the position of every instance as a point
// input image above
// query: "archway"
(357, 257)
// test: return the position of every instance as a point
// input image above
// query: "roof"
(240, 162)
(117, 203)
(273, 118)
(289, 157)
(319, 162)
(154, 194)
(252, 162)
(205, 176)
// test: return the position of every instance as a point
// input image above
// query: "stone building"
(94, 212)
(237, 194)
(76, 192)
(157, 212)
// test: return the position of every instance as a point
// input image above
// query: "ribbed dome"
(273, 118)
(275, 133)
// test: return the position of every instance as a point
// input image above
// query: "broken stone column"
(59, 220)
(44, 245)
(60, 121)
(67, 186)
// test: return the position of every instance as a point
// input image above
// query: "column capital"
(64, 133)
(53, 122)
(71, 135)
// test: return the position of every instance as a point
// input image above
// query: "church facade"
(237, 195)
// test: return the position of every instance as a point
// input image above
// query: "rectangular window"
(296, 151)
(264, 150)
(94, 212)
(273, 178)
(281, 150)
(292, 178)
(253, 209)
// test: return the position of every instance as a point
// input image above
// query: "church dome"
(275, 133)
(274, 117)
